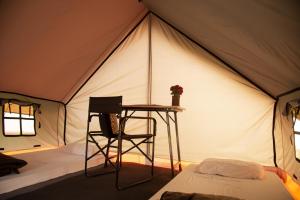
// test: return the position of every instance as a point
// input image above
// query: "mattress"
(45, 165)
(188, 181)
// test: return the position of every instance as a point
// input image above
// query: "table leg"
(122, 130)
(170, 142)
(148, 131)
(177, 141)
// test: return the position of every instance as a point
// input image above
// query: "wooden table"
(160, 109)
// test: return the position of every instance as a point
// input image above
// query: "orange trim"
(293, 188)
(27, 150)
(159, 162)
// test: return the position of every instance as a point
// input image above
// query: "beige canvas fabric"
(221, 107)
(124, 73)
(48, 135)
(284, 137)
(50, 47)
(225, 116)
(258, 38)
(15, 108)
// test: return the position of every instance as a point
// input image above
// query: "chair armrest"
(124, 119)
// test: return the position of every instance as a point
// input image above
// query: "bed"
(46, 165)
(189, 181)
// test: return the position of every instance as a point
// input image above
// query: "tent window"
(297, 138)
(18, 120)
(293, 108)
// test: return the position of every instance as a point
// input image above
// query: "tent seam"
(288, 92)
(29, 96)
(107, 57)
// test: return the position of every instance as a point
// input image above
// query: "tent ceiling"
(260, 39)
(48, 47)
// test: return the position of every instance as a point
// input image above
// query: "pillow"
(114, 123)
(10, 164)
(231, 168)
(109, 123)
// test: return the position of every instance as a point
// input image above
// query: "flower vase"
(175, 100)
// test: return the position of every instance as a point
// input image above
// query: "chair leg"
(119, 154)
(107, 152)
(153, 147)
(86, 149)
(85, 160)
(121, 149)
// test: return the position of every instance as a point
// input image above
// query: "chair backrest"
(105, 104)
(107, 108)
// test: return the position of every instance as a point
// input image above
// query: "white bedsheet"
(189, 181)
(43, 166)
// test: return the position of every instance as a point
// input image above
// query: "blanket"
(9, 164)
(193, 196)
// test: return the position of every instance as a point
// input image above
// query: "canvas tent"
(237, 61)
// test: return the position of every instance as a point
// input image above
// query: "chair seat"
(136, 136)
(128, 136)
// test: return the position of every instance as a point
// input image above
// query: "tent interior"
(237, 61)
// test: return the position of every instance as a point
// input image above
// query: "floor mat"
(103, 187)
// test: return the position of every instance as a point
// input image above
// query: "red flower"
(176, 90)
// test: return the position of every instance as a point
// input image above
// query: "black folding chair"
(112, 125)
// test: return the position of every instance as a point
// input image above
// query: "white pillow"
(231, 168)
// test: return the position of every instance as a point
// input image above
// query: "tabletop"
(153, 107)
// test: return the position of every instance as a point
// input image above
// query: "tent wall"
(49, 134)
(284, 137)
(225, 115)
(124, 73)
(260, 38)
(42, 41)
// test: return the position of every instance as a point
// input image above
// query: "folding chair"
(109, 110)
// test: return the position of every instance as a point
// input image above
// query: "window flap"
(13, 106)
(292, 108)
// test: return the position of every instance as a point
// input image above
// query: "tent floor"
(102, 187)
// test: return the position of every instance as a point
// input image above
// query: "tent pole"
(149, 92)
(57, 124)
(65, 123)
(273, 132)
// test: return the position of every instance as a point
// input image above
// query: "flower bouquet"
(176, 91)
